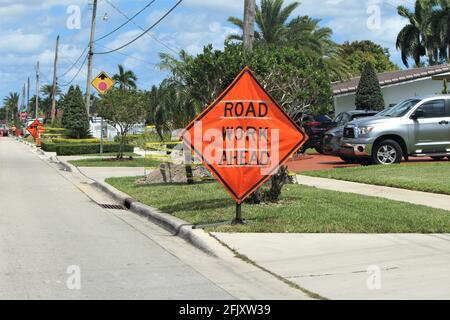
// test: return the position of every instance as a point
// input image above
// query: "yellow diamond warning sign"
(102, 83)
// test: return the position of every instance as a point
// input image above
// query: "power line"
(150, 35)
(74, 64)
(130, 56)
(81, 55)
(77, 73)
(146, 31)
(125, 23)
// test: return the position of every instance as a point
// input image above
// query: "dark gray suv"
(417, 127)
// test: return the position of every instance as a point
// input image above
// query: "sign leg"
(101, 136)
(238, 219)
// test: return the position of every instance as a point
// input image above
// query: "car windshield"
(401, 109)
(362, 115)
(323, 118)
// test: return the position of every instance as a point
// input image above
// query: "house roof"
(391, 78)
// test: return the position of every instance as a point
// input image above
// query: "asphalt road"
(56, 243)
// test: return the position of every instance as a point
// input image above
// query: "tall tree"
(11, 103)
(415, 40)
(75, 118)
(440, 24)
(125, 79)
(46, 102)
(357, 53)
(122, 109)
(368, 94)
(271, 19)
(274, 26)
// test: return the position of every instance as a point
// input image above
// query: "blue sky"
(28, 30)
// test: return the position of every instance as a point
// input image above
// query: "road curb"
(180, 228)
(174, 225)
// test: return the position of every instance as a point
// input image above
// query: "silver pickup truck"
(418, 127)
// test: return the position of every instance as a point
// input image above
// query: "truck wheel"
(437, 158)
(387, 152)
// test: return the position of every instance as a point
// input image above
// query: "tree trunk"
(121, 145)
(188, 166)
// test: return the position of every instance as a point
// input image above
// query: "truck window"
(434, 109)
(401, 109)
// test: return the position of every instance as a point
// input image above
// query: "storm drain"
(113, 206)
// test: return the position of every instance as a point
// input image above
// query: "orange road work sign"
(33, 128)
(243, 137)
(102, 83)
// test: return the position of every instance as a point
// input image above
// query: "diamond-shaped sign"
(102, 83)
(33, 128)
(244, 136)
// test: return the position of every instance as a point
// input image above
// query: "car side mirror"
(418, 114)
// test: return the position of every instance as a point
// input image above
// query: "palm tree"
(440, 25)
(11, 103)
(306, 34)
(416, 39)
(47, 90)
(271, 18)
(302, 32)
(125, 79)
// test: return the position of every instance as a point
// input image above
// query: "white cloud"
(16, 41)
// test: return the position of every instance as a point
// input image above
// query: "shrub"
(92, 148)
(75, 117)
(48, 146)
(368, 94)
(75, 141)
(55, 130)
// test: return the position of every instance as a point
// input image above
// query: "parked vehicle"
(333, 138)
(3, 130)
(417, 127)
(315, 127)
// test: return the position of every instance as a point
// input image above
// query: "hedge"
(55, 130)
(75, 141)
(93, 148)
(48, 146)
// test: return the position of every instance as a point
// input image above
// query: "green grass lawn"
(112, 162)
(113, 154)
(301, 209)
(428, 177)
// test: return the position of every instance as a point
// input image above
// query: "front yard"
(301, 210)
(428, 177)
(113, 162)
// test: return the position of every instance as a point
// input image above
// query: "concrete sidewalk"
(100, 174)
(354, 266)
(433, 200)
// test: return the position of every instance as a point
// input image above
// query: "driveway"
(324, 162)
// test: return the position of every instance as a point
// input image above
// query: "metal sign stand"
(101, 136)
(238, 219)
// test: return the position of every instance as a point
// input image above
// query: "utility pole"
(24, 97)
(90, 58)
(55, 81)
(28, 96)
(249, 23)
(37, 89)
